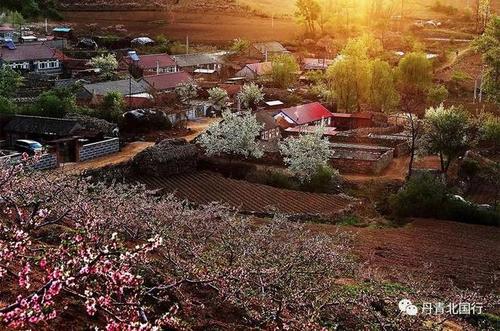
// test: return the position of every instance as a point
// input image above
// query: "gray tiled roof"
(124, 86)
(193, 60)
(42, 125)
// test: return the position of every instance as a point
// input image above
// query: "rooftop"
(192, 60)
(270, 47)
(28, 52)
(43, 125)
(260, 68)
(307, 113)
(153, 60)
(124, 87)
(167, 81)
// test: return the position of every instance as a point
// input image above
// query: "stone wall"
(361, 159)
(398, 142)
(98, 149)
(47, 161)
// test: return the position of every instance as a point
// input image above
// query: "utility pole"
(187, 44)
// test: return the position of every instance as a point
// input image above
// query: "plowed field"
(206, 187)
(467, 254)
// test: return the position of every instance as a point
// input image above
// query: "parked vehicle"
(28, 146)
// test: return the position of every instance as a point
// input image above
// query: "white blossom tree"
(234, 135)
(250, 96)
(186, 92)
(306, 154)
(218, 97)
(106, 64)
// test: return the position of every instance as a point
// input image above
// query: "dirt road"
(199, 126)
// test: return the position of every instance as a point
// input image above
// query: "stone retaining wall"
(98, 149)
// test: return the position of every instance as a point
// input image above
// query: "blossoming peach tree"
(120, 257)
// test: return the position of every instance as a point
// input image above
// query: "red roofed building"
(304, 115)
(152, 64)
(167, 82)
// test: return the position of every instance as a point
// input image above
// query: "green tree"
(106, 64)
(7, 106)
(308, 12)
(383, 93)
(490, 129)
(239, 45)
(437, 95)
(112, 106)
(446, 133)
(10, 81)
(415, 71)
(349, 79)
(284, 70)
(32, 8)
(51, 104)
(489, 46)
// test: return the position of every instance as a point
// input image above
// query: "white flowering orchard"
(307, 153)
(235, 135)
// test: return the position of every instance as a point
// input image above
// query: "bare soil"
(199, 26)
(465, 254)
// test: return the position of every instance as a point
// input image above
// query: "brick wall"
(100, 148)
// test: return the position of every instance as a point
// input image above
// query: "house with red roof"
(151, 64)
(38, 58)
(168, 81)
(253, 71)
(305, 115)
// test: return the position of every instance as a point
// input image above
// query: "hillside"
(266, 7)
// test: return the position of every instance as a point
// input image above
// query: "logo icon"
(405, 306)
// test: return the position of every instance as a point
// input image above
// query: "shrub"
(280, 180)
(422, 196)
(323, 181)
(425, 196)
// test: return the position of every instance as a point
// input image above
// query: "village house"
(69, 139)
(310, 64)
(202, 63)
(270, 130)
(267, 49)
(32, 58)
(152, 64)
(349, 121)
(167, 82)
(136, 93)
(253, 71)
(312, 114)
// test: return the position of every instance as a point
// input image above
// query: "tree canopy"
(284, 70)
(489, 46)
(447, 133)
(307, 154)
(235, 135)
(32, 8)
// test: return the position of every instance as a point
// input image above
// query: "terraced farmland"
(206, 187)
